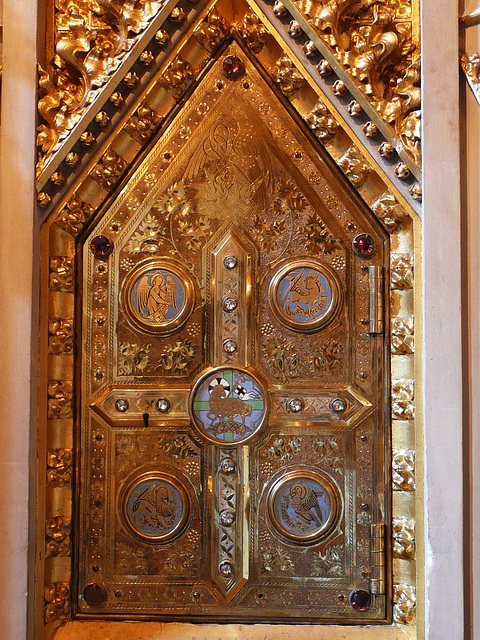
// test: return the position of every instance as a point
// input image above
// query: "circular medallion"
(159, 296)
(303, 506)
(156, 507)
(228, 405)
(305, 295)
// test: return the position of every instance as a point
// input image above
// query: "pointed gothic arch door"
(232, 429)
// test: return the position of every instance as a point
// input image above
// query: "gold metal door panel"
(231, 405)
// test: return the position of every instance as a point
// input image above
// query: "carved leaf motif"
(133, 358)
(57, 601)
(403, 465)
(318, 236)
(286, 75)
(253, 32)
(60, 399)
(329, 452)
(321, 122)
(60, 338)
(283, 450)
(61, 274)
(404, 538)
(405, 600)
(402, 335)
(176, 358)
(328, 563)
(277, 560)
(59, 467)
(178, 448)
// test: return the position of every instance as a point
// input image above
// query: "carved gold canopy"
(181, 198)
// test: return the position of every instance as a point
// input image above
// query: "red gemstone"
(360, 600)
(101, 246)
(233, 67)
(363, 245)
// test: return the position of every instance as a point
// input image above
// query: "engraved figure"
(222, 407)
(155, 299)
(156, 507)
(304, 501)
(305, 296)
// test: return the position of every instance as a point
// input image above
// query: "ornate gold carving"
(329, 563)
(283, 450)
(403, 406)
(61, 274)
(401, 271)
(57, 532)
(373, 42)
(286, 75)
(319, 238)
(405, 600)
(57, 601)
(109, 169)
(91, 41)
(471, 67)
(402, 335)
(404, 538)
(329, 452)
(60, 399)
(354, 166)
(177, 77)
(253, 31)
(59, 467)
(277, 560)
(74, 215)
(212, 31)
(321, 121)
(177, 356)
(133, 358)
(60, 336)
(403, 465)
(389, 211)
(178, 448)
(143, 123)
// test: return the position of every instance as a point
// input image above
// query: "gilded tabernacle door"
(231, 393)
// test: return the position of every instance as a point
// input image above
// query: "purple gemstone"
(233, 67)
(101, 246)
(360, 600)
(363, 245)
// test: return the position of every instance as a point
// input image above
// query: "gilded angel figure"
(155, 296)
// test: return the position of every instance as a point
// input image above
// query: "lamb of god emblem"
(305, 295)
(159, 296)
(228, 405)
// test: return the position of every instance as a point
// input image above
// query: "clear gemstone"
(121, 405)
(229, 346)
(338, 405)
(226, 568)
(227, 518)
(295, 405)
(230, 304)
(163, 405)
(227, 466)
(230, 262)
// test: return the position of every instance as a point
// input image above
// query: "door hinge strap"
(377, 558)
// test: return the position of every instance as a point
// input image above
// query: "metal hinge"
(375, 278)
(377, 558)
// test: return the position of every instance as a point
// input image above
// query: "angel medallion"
(158, 296)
